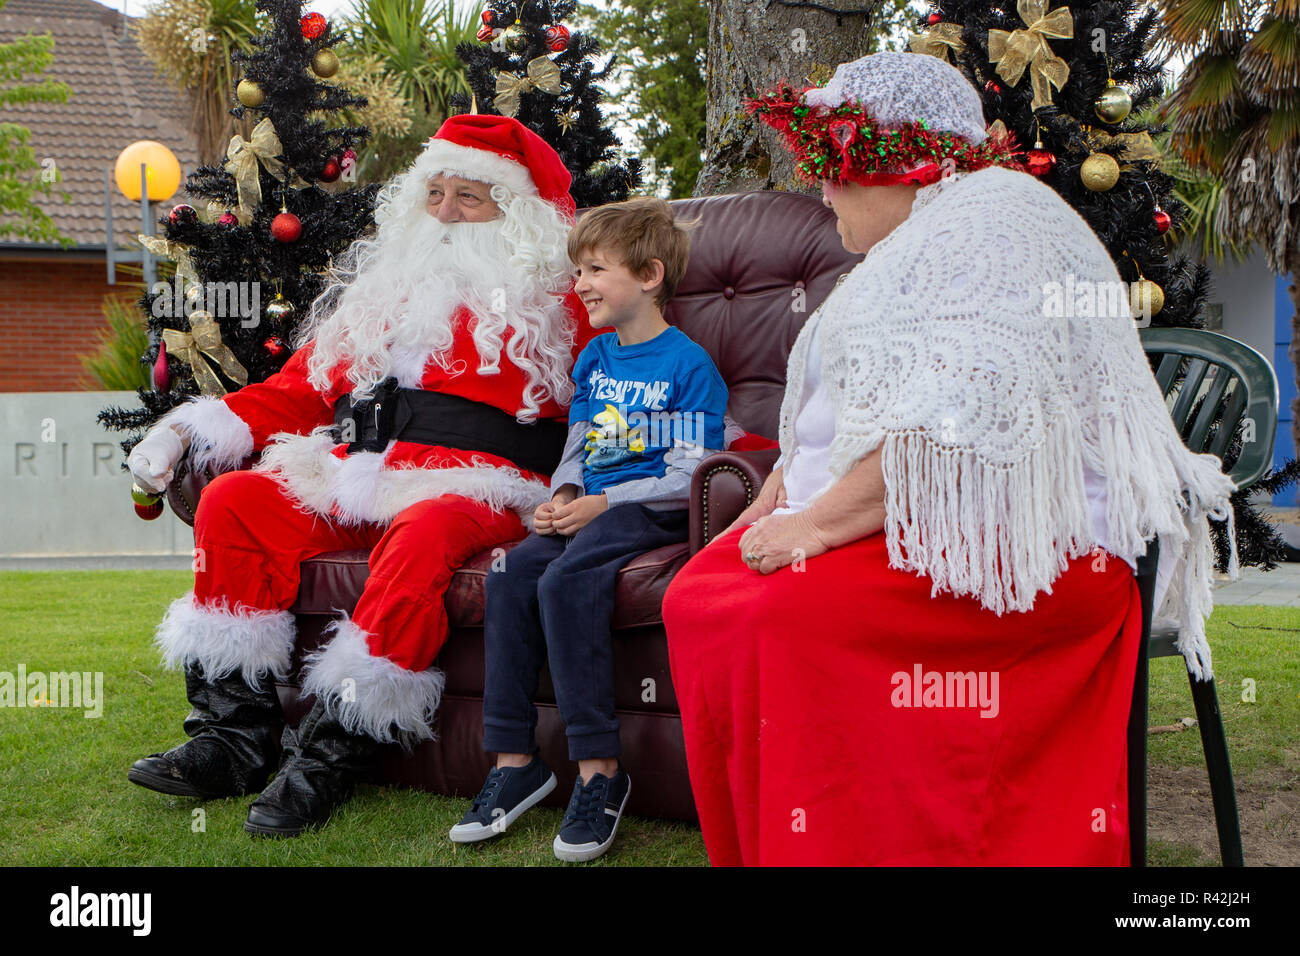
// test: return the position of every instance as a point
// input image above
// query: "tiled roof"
(116, 99)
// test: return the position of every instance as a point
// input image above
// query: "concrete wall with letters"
(62, 488)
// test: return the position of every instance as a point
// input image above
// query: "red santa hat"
(500, 150)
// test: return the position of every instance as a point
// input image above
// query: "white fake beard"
(454, 264)
(397, 313)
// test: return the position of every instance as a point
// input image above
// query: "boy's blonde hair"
(637, 231)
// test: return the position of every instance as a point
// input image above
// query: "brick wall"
(50, 314)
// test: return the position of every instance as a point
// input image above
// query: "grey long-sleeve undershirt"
(671, 492)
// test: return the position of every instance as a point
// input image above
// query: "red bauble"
(1040, 161)
(286, 227)
(183, 215)
(557, 38)
(331, 170)
(934, 18)
(274, 345)
(313, 25)
(992, 87)
(149, 512)
(484, 34)
(228, 219)
(1162, 220)
(161, 376)
(487, 16)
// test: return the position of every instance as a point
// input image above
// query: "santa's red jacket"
(287, 420)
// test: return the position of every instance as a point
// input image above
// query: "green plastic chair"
(1241, 386)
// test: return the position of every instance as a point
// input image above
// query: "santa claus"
(419, 418)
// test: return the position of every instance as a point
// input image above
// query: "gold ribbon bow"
(204, 338)
(543, 75)
(1137, 146)
(178, 252)
(1014, 52)
(244, 154)
(938, 40)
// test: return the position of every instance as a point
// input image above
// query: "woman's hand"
(571, 518)
(778, 540)
(770, 497)
(852, 508)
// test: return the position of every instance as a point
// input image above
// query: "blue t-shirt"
(640, 399)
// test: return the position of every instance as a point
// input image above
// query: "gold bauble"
(142, 497)
(1114, 103)
(1099, 172)
(250, 94)
(325, 63)
(1146, 298)
(515, 37)
(280, 309)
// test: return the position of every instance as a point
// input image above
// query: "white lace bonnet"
(898, 88)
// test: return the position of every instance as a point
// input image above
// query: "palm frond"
(1191, 23)
(1270, 61)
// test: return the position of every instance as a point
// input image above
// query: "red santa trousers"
(251, 539)
(839, 714)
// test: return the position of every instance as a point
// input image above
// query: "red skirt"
(839, 714)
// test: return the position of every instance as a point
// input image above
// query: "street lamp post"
(159, 174)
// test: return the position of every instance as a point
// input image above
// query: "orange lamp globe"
(162, 170)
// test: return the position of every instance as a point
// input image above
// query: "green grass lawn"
(66, 800)
(1258, 644)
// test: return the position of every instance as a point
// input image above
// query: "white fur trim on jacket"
(217, 435)
(444, 156)
(365, 489)
(221, 642)
(371, 695)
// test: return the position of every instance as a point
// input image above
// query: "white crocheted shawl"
(947, 346)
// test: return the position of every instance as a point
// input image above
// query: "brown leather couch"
(760, 263)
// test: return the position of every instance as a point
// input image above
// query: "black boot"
(235, 734)
(317, 774)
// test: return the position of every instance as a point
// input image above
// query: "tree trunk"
(753, 45)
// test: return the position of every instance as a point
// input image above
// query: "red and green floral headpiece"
(845, 144)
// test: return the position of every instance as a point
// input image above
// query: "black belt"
(431, 418)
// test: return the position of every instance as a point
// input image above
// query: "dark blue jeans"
(554, 600)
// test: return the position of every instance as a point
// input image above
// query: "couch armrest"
(722, 487)
(186, 487)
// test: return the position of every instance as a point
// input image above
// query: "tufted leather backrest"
(761, 262)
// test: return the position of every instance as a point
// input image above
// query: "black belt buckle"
(372, 419)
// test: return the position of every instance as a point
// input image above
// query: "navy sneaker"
(592, 818)
(506, 794)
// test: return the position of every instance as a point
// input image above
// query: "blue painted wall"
(1284, 449)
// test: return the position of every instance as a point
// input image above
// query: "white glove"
(152, 461)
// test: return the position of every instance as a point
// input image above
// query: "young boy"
(648, 402)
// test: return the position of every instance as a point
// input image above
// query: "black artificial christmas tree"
(529, 65)
(254, 243)
(1076, 83)
(1078, 110)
